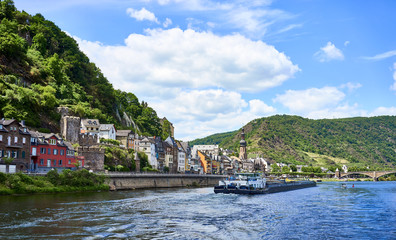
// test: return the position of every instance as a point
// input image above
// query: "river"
(366, 211)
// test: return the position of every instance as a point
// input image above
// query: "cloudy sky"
(212, 66)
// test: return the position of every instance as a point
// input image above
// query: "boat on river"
(254, 183)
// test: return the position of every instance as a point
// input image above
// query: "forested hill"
(291, 139)
(42, 68)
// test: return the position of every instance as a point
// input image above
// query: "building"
(107, 131)
(160, 153)
(206, 162)
(14, 145)
(70, 128)
(188, 162)
(90, 126)
(242, 146)
(126, 138)
(207, 149)
(168, 155)
(175, 151)
(147, 145)
(181, 158)
(49, 151)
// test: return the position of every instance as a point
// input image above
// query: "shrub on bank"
(53, 182)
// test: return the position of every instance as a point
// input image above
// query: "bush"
(110, 141)
(3, 177)
(53, 177)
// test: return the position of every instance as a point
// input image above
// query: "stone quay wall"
(139, 181)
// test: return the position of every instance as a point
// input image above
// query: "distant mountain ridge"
(359, 141)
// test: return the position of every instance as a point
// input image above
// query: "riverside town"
(202, 119)
(87, 144)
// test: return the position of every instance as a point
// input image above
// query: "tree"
(275, 168)
(293, 168)
(7, 9)
(285, 169)
(144, 163)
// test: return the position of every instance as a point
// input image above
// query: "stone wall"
(87, 140)
(138, 181)
(94, 157)
(70, 128)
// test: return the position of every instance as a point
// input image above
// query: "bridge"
(373, 174)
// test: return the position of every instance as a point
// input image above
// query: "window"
(1, 137)
(14, 154)
(23, 140)
(24, 130)
(1, 126)
(60, 162)
(8, 153)
(62, 152)
(1, 153)
(54, 162)
(55, 152)
(69, 161)
(23, 154)
(49, 151)
(52, 141)
(41, 161)
(15, 139)
(42, 150)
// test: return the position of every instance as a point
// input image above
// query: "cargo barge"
(253, 183)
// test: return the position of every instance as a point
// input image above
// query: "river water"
(367, 211)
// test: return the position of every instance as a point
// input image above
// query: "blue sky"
(212, 66)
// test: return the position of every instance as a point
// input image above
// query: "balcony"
(14, 145)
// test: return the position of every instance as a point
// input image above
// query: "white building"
(181, 160)
(207, 149)
(107, 131)
(148, 147)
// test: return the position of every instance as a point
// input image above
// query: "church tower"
(242, 146)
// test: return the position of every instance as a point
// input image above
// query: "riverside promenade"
(128, 181)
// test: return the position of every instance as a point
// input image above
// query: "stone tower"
(70, 128)
(242, 146)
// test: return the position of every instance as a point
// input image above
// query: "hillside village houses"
(33, 151)
(107, 131)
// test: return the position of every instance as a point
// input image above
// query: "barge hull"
(271, 188)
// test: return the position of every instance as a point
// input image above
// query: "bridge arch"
(345, 175)
(384, 174)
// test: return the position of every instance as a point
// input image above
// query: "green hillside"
(359, 141)
(42, 68)
(217, 138)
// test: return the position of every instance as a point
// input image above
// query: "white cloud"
(167, 23)
(194, 78)
(380, 111)
(328, 53)
(252, 18)
(198, 113)
(346, 43)
(393, 86)
(351, 86)
(289, 27)
(310, 100)
(342, 110)
(382, 56)
(258, 107)
(163, 60)
(142, 14)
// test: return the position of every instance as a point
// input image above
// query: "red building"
(49, 151)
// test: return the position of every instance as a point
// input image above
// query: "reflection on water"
(367, 211)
